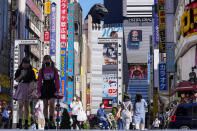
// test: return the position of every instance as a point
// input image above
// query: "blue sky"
(87, 4)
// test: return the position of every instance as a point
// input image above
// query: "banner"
(63, 24)
(70, 39)
(46, 36)
(110, 85)
(110, 52)
(63, 72)
(47, 8)
(156, 28)
(170, 57)
(53, 30)
(138, 71)
(162, 77)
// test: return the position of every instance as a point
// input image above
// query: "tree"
(65, 124)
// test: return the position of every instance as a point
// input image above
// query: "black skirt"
(48, 89)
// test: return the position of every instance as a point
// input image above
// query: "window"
(194, 110)
(182, 111)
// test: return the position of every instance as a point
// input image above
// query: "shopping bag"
(81, 116)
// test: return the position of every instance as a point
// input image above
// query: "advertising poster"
(109, 31)
(110, 53)
(46, 36)
(170, 57)
(47, 8)
(162, 77)
(53, 30)
(138, 71)
(110, 85)
(136, 35)
(70, 39)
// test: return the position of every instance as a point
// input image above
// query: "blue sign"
(70, 93)
(70, 39)
(156, 28)
(170, 57)
(107, 31)
(63, 72)
(53, 30)
(163, 85)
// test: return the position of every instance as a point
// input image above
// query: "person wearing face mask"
(24, 75)
(75, 105)
(48, 89)
(102, 117)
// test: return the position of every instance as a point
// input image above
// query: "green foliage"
(85, 126)
(65, 124)
(114, 111)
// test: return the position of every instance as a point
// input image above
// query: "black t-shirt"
(30, 76)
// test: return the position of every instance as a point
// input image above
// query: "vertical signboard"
(46, 36)
(63, 40)
(70, 93)
(156, 28)
(162, 77)
(110, 85)
(53, 30)
(170, 57)
(70, 39)
(149, 68)
(162, 39)
(47, 7)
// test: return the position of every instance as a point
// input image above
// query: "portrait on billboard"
(136, 35)
(110, 51)
(138, 71)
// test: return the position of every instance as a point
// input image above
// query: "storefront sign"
(156, 28)
(47, 8)
(34, 29)
(63, 24)
(53, 30)
(46, 22)
(170, 57)
(34, 8)
(162, 39)
(70, 39)
(110, 85)
(46, 36)
(162, 77)
(189, 20)
(70, 93)
(63, 72)
(140, 19)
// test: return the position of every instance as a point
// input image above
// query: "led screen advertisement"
(110, 85)
(138, 71)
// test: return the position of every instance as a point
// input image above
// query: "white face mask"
(75, 98)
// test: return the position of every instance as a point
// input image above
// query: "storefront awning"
(185, 86)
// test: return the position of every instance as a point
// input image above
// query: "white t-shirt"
(156, 123)
(76, 106)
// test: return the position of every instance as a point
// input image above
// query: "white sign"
(26, 42)
(107, 40)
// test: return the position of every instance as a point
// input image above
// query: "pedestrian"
(156, 123)
(48, 89)
(139, 112)
(102, 117)
(183, 98)
(75, 106)
(119, 118)
(81, 116)
(127, 112)
(39, 113)
(24, 76)
(195, 97)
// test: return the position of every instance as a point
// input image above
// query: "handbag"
(81, 116)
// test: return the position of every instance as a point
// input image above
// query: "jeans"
(120, 124)
(105, 124)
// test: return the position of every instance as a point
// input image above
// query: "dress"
(139, 112)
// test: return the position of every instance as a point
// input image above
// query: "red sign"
(63, 24)
(46, 36)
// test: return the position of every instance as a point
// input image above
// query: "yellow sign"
(188, 20)
(162, 37)
(47, 8)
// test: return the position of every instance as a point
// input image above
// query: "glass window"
(194, 110)
(182, 111)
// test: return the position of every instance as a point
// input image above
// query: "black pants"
(5, 123)
(75, 122)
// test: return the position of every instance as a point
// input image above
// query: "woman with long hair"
(24, 76)
(48, 88)
(139, 112)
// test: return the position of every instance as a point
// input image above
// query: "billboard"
(70, 39)
(170, 57)
(63, 24)
(110, 85)
(136, 35)
(162, 77)
(110, 51)
(53, 30)
(138, 71)
(112, 31)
